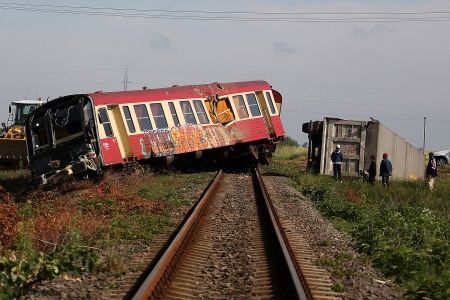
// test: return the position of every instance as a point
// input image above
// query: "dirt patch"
(8, 219)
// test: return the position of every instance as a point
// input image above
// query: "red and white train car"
(85, 132)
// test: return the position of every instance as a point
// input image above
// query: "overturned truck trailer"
(360, 140)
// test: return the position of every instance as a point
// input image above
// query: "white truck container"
(360, 140)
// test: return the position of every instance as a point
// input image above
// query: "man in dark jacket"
(372, 170)
(431, 171)
(337, 159)
(385, 170)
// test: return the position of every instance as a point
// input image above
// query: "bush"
(323, 191)
(20, 269)
(289, 142)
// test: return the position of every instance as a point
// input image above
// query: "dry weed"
(8, 219)
(352, 197)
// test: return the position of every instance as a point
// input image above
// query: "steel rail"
(298, 280)
(175, 248)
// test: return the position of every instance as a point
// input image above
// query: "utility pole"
(424, 133)
(125, 80)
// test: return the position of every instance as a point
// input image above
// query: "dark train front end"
(62, 139)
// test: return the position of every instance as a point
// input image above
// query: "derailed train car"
(81, 134)
(359, 140)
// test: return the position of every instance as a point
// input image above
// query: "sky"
(339, 59)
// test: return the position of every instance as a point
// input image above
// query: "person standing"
(372, 170)
(431, 171)
(337, 159)
(385, 170)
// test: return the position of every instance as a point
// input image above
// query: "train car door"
(118, 126)
(265, 112)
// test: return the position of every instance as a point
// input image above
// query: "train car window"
(201, 113)
(253, 104)
(142, 117)
(158, 115)
(240, 106)
(269, 99)
(173, 112)
(104, 119)
(187, 112)
(127, 114)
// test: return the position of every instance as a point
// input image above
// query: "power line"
(431, 16)
(226, 12)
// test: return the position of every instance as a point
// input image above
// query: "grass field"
(405, 229)
(44, 234)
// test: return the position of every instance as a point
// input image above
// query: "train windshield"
(67, 122)
(61, 123)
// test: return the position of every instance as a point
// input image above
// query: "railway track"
(233, 245)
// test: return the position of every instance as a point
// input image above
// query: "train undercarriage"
(87, 167)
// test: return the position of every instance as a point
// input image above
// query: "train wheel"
(133, 168)
(264, 155)
(253, 151)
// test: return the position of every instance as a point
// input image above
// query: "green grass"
(173, 189)
(405, 229)
(290, 153)
(139, 226)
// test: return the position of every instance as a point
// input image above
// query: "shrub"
(289, 142)
(20, 269)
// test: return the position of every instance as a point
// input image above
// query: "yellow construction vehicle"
(13, 149)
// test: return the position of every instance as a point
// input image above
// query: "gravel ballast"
(350, 271)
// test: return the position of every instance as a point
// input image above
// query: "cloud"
(160, 42)
(377, 29)
(283, 48)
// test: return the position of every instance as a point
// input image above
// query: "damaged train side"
(80, 134)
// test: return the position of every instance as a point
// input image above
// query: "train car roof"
(178, 92)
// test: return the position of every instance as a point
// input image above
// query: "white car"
(442, 157)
